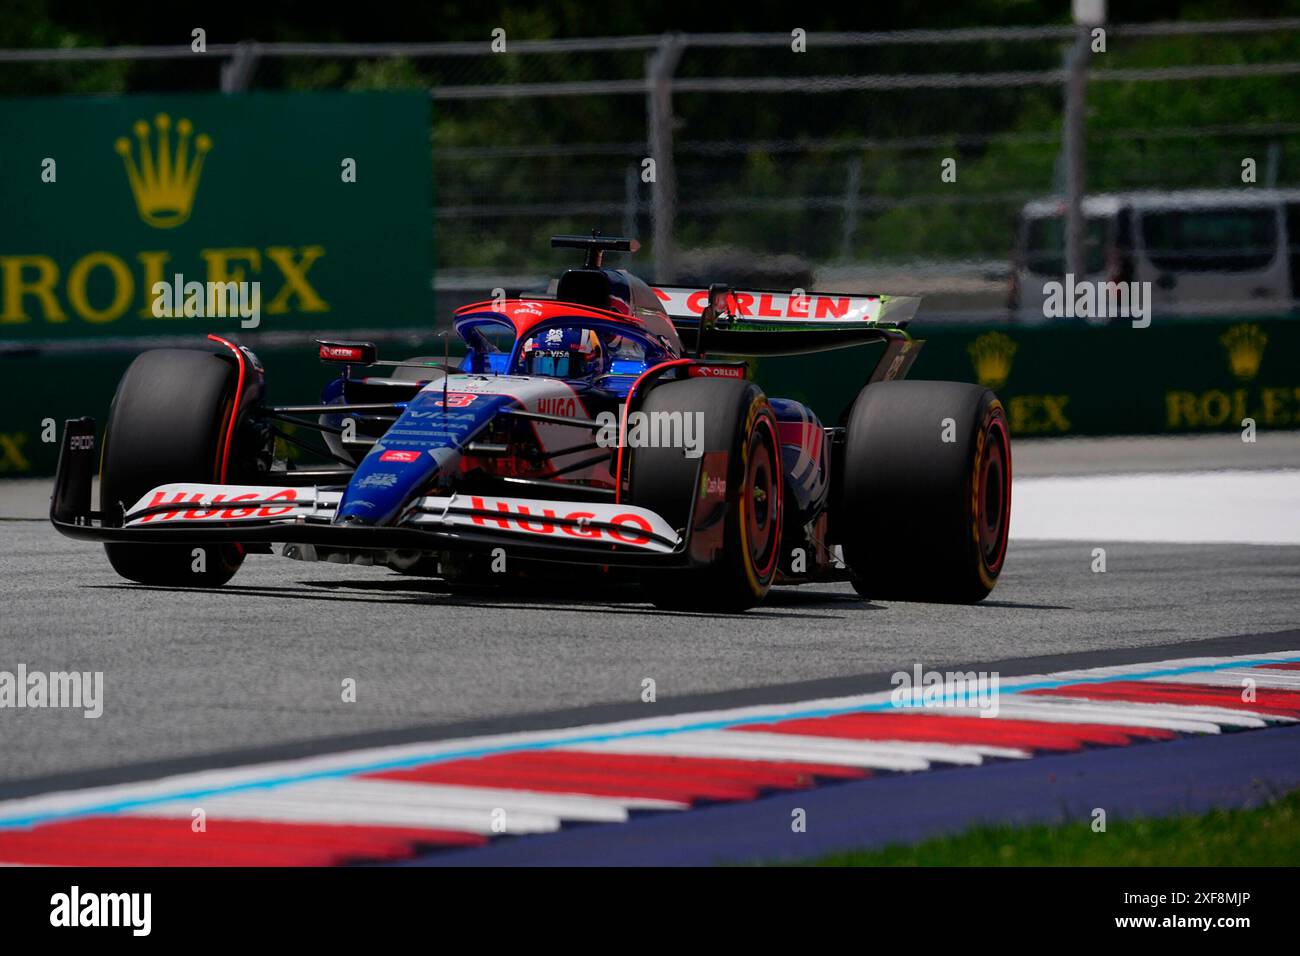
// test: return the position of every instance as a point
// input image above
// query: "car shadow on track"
(1020, 606)
(435, 593)
(554, 591)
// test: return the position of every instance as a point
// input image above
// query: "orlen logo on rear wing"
(783, 307)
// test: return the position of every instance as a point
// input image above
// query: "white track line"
(1190, 720)
(812, 744)
(1244, 507)
(933, 750)
(785, 747)
(1055, 713)
(303, 804)
(1120, 671)
(1274, 680)
(584, 807)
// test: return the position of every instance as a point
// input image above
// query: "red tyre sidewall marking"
(992, 428)
(234, 415)
(760, 410)
(234, 404)
(997, 429)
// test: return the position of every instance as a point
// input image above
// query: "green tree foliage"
(766, 198)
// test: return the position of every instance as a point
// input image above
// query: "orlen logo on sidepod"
(716, 371)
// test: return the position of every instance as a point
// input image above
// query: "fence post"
(237, 72)
(1087, 14)
(660, 67)
(1075, 87)
(631, 198)
(852, 187)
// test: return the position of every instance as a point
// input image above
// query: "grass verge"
(1268, 835)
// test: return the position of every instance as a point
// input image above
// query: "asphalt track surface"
(253, 671)
(261, 662)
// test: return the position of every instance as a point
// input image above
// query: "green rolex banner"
(1178, 376)
(131, 216)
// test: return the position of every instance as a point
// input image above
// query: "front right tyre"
(739, 421)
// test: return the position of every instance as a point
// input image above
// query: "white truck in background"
(1204, 252)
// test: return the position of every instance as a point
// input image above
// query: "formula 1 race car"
(597, 428)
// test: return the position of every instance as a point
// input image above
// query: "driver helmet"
(564, 353)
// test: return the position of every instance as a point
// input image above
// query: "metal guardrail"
(1009, 34)
(659, 83)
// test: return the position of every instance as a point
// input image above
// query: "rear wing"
(767, 322)
(770, 309)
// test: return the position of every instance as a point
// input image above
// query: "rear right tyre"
(925, 502)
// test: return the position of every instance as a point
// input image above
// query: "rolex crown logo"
(165, 177)
(991, 354)
(1245, 347)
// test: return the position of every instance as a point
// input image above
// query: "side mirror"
(719, 306)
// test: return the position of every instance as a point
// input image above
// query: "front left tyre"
(168, 423)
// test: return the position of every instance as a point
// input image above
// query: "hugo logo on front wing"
(228, 512)
(576, 524)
